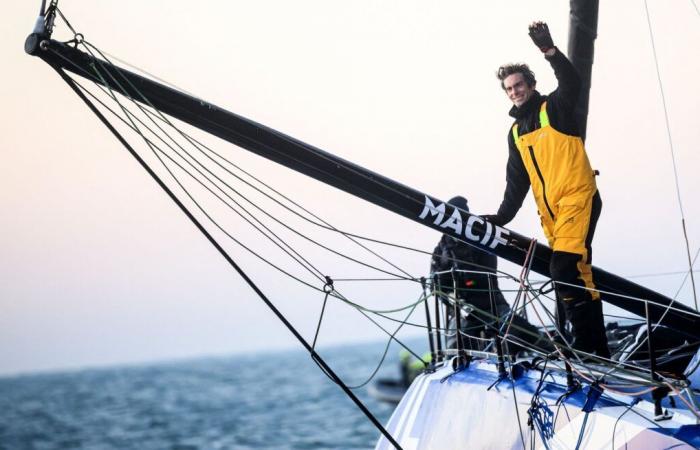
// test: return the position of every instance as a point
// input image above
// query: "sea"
(271, 400)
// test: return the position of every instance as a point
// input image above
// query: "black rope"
(327, 288)
(239, 242)
(228, 258)
(227, 185)
(391, 335)
(306, 264)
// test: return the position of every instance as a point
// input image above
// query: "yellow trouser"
(565, 191)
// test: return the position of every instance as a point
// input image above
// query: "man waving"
(546, 152)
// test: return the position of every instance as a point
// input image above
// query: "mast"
(583, 30)
(347, 176)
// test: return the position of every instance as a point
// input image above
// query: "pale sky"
(99, 267)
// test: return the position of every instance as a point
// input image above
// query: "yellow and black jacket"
(546, 152)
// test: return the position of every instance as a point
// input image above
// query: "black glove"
(539, 32)
(494, 219)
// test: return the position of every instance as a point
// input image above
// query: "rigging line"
(662, 274)
(372, 279)
(618, 365)
(329, 283)
(517, 410)
(290, 228)
(349, 234)
(629, 297)
(266, 213)
(337, 294)
(534, 401)
(673, 156)
(386, 350)
(152, 76)
(60, 13)
(687, 274)
(658, 323)
(696, 7)
(226, 256)
(634, 319)
(379, 312)
(327, 225)
(309, 148)
(324, 224)
(231, 236)
(320, 154)
(253, 216)
(487, 319)
(487, 270)
(150, 143)
(91, 76)
(394, 338)
(523, 276)
(306, 264)
(298, 256)
(356, 306)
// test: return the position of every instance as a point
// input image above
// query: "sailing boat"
(454, 374)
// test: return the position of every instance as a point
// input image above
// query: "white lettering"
(454, 222)
(468, 229)
(438, 211)
(500, 237)
(487, 235)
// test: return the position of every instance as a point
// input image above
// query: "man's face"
(517, 89)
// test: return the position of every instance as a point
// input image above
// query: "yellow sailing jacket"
(558, 167)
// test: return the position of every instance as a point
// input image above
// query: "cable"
(673, 156)
(148, 102)
(245, 277)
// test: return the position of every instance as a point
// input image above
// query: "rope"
(327, 288)
(673, 156)
(357, 306)
(253, 286)
(269, 215)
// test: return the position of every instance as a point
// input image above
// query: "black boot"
(578, 313)
(587, 325)
(598, 326)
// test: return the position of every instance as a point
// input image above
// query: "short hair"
(509, 69)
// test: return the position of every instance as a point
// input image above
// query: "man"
(546, 152)
(474, 276)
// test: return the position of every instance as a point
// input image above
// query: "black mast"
(349, 177)
(583, 30)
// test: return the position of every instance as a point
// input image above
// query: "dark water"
(267, 401)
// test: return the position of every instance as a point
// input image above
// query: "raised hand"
(539, 33)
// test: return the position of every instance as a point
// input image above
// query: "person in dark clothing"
(546, 153)
(473, 272)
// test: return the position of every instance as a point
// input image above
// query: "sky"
(99, 267)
